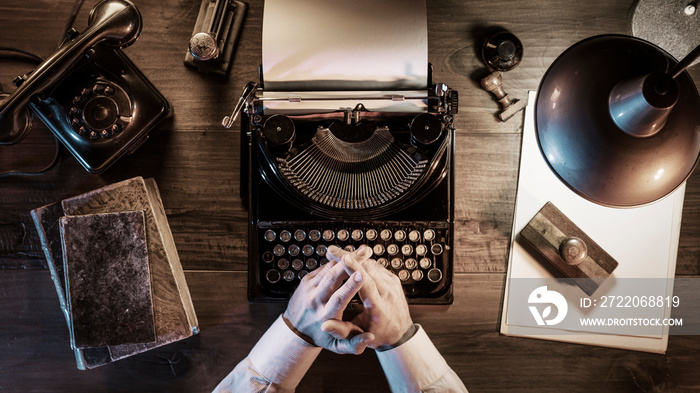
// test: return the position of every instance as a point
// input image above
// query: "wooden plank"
(486, 179)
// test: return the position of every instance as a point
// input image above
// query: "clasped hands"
(315, 311)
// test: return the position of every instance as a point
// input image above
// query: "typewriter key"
(417, 275)
(385, 234)
(323, 261)
(272, 276)
(404, 275)
(425, 263)
(357, 235)
(293, 250)
(436, 249)
(400, 235)
(288, 275)
(434, 275)
(378, 249)
(383, 262)
(285, 236)
(407, 249)
(297, 264)
(411, 263)
(343, 235)
(308, 250)
(421, 250)
(328, 235)
(299, 235)
(371, 235)
(392, 249)
(268, 257)
(311, 264)
(283, 263)
(302, 274)
(278, 250)
(314, 235)
(414, 236)
(396, 263)
(349, 248)
(429, 235)
(321, 250)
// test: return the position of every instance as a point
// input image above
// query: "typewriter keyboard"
(417, 254)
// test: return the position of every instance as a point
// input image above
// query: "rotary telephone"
(90, 95)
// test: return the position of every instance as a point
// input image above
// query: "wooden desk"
(196, 165)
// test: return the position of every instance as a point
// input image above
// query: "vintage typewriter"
(349, 168)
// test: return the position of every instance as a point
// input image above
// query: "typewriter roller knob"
(279, 130)
(426, 129)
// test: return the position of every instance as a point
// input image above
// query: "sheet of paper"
(644, 240)
(345, 45)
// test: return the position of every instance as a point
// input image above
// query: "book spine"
(169, 244)
(46, 248)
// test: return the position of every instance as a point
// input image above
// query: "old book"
(173, 311)
(46, 222)
(183, 322)
(107, 280)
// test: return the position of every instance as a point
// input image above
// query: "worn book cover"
(108, 285)
(46, 222)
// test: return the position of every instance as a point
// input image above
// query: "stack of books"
(116, 270)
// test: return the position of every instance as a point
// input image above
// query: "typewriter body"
(349, 167)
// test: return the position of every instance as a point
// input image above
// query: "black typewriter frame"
(254, 183)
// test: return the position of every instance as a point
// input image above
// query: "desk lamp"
(618, 120)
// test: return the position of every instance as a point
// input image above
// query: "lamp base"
(673, 25)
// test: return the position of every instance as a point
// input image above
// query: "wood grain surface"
(195, 163)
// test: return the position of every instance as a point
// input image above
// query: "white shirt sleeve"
(277, 363)
(417, 366)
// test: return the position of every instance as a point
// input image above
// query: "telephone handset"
(89, 93)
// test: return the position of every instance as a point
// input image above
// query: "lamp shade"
(613, 126)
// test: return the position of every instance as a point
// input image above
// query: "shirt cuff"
(281, 356)
(413, 365)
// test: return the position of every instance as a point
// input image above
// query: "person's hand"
(386, 312)
(321, 297)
